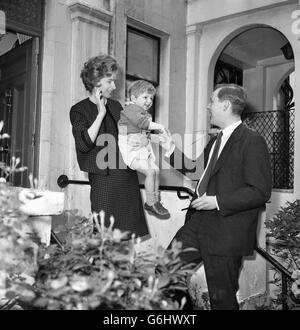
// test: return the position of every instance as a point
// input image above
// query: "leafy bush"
(285, 224)
(95, 268)
(17, 249)
(15, 244)
(98, 269)
(285, 229)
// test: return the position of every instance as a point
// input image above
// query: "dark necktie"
(212, 162)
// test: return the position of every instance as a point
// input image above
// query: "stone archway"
(254, 57)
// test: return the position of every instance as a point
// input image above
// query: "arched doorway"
(258, 59)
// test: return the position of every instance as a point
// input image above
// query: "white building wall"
(204, 11)
(74, 31)
(77, 30)
(253, 81)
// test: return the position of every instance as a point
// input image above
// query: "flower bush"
(285, 229)
(97, 269)
(17, 249)
(285, 225)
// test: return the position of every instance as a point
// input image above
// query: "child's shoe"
(162, 209)
(158, 210)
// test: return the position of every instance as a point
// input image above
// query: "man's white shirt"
(226, 135)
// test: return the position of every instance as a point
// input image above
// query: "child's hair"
(139, 87)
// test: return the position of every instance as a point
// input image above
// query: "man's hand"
(167, 142)
(204, 203)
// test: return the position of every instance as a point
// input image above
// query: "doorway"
(18, 100)
(261, 60)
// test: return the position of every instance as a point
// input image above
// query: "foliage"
(285, 225)
(285, 229)
(95, 268)
(98, 269)
(14, 244)
(17, 248)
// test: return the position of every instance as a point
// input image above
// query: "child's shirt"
(133, 119)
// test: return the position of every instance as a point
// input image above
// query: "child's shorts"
(135, 146)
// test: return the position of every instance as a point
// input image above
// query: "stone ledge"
(41, 203)
(82, 12)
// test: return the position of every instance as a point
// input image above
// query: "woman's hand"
(99, 101)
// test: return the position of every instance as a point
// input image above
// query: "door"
(18, 100)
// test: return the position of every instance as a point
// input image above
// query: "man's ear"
(227, 105)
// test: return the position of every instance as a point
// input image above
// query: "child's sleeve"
(137, 117)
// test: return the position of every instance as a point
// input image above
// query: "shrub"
(95, 268)
(285, 225)
(98, 269)
(285, 229)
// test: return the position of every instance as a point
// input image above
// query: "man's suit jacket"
(241, 181)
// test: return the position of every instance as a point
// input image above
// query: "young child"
(135, 125)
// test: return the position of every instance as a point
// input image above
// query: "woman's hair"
(235, 94)
(139, 87)
(97, 68)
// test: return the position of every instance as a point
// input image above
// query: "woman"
(114, 187)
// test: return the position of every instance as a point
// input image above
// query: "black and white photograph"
(149, 158)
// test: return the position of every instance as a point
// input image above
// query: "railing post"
(284, 291)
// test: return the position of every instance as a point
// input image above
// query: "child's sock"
(150, 197)
(157, 196)
(158, 204)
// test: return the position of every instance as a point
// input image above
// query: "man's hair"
(235, 94)
(139, 87)
(97, 68)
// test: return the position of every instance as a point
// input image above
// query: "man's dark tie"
(212, 162)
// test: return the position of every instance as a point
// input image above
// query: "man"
(221, 222)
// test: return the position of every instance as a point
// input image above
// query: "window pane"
(142, 56)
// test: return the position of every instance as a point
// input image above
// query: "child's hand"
(161, 128)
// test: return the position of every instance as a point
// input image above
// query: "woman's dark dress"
(113, 190)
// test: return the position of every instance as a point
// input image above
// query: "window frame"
(134, 77)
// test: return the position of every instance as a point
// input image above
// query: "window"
(142, 59)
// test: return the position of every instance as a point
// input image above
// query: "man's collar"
(229, 129)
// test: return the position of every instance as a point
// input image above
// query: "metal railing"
(285, 275)
(63, 181)
(277, 127)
